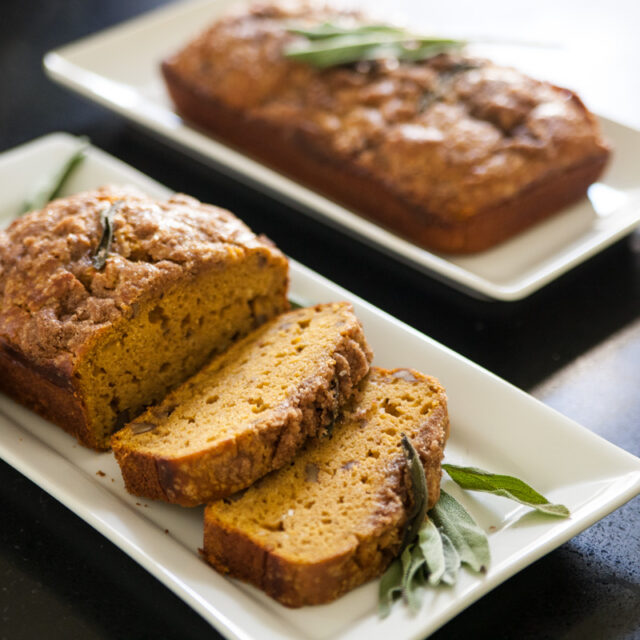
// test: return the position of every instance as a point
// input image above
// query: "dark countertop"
(59, 578)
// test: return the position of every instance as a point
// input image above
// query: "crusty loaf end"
(89, 347)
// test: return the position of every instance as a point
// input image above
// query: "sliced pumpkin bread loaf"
(89, 342)
(248, 411)
(335, 517)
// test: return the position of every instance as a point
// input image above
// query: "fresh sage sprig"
(474, 479)
(434, 550)
(448, 539)
(106, 220)
(53, 185)
(328, 45)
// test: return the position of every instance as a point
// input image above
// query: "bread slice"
(335, 517)
(248, 411)
(89, 347)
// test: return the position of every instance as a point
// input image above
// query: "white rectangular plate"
(119, 68)
(493, 425)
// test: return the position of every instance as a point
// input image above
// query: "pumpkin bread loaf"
(89, 348)
(454, 152)
(248, 411)
(335, 517)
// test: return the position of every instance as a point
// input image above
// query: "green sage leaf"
(335, 51)
(102, 250)
(469, 540)
(474, 479)
(420, 493)
(434, 550)
(331, 30)
(328, 45)
(55, 183)
(412, 564)
(390, 587)
(451, 561)
(430, 543)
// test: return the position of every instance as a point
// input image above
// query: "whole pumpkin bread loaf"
(336, 516)
(248, 411)
(88, 346)
(454, 152)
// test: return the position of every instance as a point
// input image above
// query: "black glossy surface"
(575, 345)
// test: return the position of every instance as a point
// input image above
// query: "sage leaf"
(430, 544)
(330, 30)
(102, 250)
(55, 183)
(328, 45)
(474, 479)
(469, 540)
(412, 564)
(420, 493)
(390, 588)
(418, 573)
(434, 550)
(451, 561)
(336, 51)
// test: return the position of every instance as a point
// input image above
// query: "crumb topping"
(53, 300)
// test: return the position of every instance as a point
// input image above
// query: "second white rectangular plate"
(493, 425)
(119, 68)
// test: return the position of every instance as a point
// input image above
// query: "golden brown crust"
(47, 395)
(297, 578)
(232, 552)
(54, 302)
(219, 469)
(494, 153)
